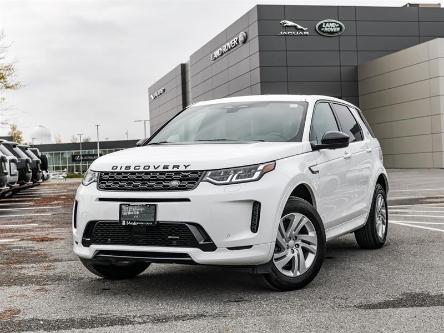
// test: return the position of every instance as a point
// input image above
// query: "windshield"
(19, 153)
(5, 151)
(248, 121)
(30, 153)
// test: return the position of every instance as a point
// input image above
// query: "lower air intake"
(166, 234)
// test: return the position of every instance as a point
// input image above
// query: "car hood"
(196, 156)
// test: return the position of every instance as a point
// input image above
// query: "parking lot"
(43, 287)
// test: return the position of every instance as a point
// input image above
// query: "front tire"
(374, 233)
(115, 272)
(300, 247)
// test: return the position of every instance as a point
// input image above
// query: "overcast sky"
(87, 62)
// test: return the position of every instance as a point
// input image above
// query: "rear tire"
(300, 247)
(114, 272)
(374, 233)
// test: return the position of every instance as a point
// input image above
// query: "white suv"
(259, 182)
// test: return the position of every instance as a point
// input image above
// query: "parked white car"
(260, 182)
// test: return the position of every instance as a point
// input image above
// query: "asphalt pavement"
(399, 288)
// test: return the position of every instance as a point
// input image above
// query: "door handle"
(347, 155)
(368, 149)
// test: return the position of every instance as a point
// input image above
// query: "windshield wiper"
(215, 140)
(158, 143)
(228, 140)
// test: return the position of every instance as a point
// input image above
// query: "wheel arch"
(304, 191)
(383, 181)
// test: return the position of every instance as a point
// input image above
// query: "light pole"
(126, 133)
(33, 141)
(80, 141)
(98, 141)
(144, 125)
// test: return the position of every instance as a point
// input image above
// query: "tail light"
(13, 168)
(4, 162)
(5, 168)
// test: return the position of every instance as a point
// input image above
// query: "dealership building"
(387, 60)
(77, 157)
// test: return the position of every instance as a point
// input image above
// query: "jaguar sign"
(298, 30)
(330, 28)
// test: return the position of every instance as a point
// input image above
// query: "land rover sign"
(330, 28)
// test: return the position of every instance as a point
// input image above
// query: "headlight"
(244, 174)
(90, 177)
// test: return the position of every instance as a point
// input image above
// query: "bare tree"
(15, 133)
(74, 139)
(57, 138)
(86, 139)
(7, 70)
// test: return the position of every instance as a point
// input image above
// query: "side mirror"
(332, 140)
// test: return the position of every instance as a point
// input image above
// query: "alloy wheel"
(296, 245)
(381, 216)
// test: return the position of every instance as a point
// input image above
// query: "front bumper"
(224, 212)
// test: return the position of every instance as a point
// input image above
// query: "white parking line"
(415, 215)
(415, 222)
(9, 240)
(38, 195)
(42, 190)
(403, 223)
(18, 225)
(30, 208)
(418, 189)
(415, 211)
(435, 205)
(416, 197)
(15, 203)
(23, 215)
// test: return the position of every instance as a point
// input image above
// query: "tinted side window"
(323, 120)
(349, 125)
(361, 115)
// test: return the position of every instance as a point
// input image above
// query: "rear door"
(361, 162)
(332, 166)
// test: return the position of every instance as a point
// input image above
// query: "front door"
(332, 167)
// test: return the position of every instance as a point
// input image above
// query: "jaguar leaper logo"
(286, 23)
(300, 30)
(330, 28)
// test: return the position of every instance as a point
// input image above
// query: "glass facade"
(62, 160)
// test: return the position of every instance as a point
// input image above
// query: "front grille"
(149, 181)
(162, 234)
